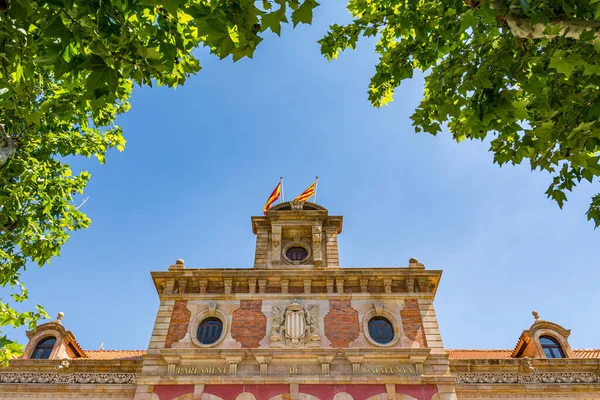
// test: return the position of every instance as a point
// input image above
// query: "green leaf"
(304, 13)
(561, 64)
(272, 21)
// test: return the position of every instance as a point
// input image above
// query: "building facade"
(296, 326)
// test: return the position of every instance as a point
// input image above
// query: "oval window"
(210, 330)
(296, 253)
(381, 330)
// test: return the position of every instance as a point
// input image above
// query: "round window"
(381, 330)
(210, 330)
(296, 253)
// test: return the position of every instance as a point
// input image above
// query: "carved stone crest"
(295, 326)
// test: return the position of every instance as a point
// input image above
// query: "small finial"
(413, 262)
(535, 315)
(60, 316)
(101, 346)
(179, 264)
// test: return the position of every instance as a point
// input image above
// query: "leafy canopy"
(524, 72)
(67, 68)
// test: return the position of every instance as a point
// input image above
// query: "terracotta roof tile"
(115, 354)
(587, 353)
(478, 354)
(462, 354)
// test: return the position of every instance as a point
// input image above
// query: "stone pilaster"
(275, 245)
(331, 249)
(430, 326)
(317, 243)
(161, 326)
(262, 246)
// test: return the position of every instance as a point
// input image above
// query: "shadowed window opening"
(296, 253)
(210, 330)
(551, 347)
(381, 330)
(43, 349)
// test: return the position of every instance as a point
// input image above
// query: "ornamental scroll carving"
(276, 245)
(541, 378)
(295, 326)
(79, 378)
(317, 236)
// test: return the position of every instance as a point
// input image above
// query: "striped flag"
(274, 196)
(308, 193)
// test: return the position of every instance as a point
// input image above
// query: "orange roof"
(587, 353)
(461, 354)
(478, 354)
(115, 354)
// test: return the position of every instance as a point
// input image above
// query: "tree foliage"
(67, 68)
(526, 73)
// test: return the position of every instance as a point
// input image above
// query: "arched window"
(43, 349)
(551, 347)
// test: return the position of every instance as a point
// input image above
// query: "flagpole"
(316, 184)
(281, 183)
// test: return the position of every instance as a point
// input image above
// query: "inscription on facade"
(203, 370)
(387, 370)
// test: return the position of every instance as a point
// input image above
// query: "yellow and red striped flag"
(308, 193)
(274, 196)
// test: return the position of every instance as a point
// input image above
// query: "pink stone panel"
(421, 392)
(261, 392)
(169, 392)
(358, 392)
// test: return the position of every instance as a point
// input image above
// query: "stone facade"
(299, 327)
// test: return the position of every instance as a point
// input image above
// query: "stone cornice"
(69, 378)
(527, 379)
(82, 365)
(524, 365)
(346, 281)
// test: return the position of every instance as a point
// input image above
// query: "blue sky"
(201, 159)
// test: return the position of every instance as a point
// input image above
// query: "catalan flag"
(308, 193)
(274, 196)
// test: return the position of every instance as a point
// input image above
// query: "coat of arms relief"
(295, 326)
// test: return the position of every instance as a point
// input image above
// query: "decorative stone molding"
(380, 311)
(275, 245)
(61, 378)
(297, 243)
(211, 311)
(203, 283)
(239, 282)
(339, 283)
(285, 285)
(364, 285)
(252, 285)
(307, 285)
(329, 285)
(387, 285)
(317, 237)
(295, 326)
(538, 378)
(227, 284)
(262, 286)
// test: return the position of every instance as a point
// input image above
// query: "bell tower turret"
(296, 234)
